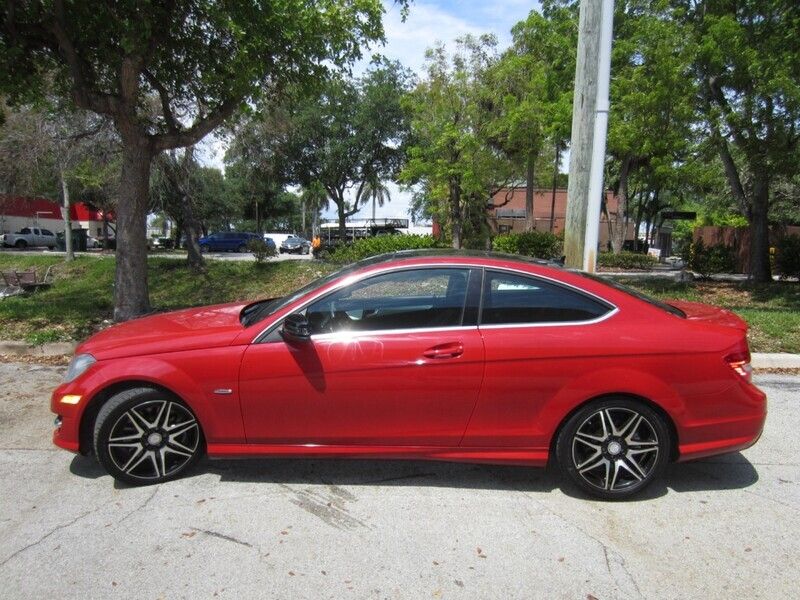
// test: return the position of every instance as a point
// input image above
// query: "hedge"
(381, 244)
(707, 260)
(539, 244)
(626, 260)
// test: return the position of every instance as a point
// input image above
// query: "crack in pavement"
(47, 535)
(142, 505)
(618, 558)
(222, 536)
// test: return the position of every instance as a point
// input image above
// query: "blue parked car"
(228, 241)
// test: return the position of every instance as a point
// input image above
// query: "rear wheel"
(144, 436)
(614, 448)
(21, 244)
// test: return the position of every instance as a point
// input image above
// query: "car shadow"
(728, 472)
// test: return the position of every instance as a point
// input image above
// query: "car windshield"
(258, 311)
(635, 293)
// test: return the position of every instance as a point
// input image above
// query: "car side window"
(510, 299)
(46, 232)
(408, 299)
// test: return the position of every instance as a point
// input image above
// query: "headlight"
(78, 364)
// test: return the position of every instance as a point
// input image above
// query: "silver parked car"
(295, 244)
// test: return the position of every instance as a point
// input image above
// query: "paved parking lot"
(722, 528)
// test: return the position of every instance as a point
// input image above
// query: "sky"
(428, 22)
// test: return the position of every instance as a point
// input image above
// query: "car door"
(393, 360)
(538, 335)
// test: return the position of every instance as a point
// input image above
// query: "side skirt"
(536, 457)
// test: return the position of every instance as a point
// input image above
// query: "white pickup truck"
(29, 236)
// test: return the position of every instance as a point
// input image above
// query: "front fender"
(193, 376)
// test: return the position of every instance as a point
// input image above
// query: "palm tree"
(377, 191)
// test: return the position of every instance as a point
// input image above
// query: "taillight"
(740, 362)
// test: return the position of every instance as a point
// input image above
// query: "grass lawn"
(82, 296)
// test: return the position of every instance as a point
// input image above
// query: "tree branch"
(166, 109)
(201, 128)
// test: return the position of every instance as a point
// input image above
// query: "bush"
(626, 260)
(381, 244)
(261, 251)
(787, 256)
(540, 244)
(707, 260)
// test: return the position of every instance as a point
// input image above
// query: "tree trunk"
(303, 217)
(618, 237)
(760, 271)
(342, 218)
(455, 212)
(130, 293)
(69, 253)
(555, 187)
(530, 219)
(638, 224)
(191, 228)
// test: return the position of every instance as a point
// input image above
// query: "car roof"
(445, 253)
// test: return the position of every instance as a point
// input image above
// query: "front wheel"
(144, 436)
(614, 448)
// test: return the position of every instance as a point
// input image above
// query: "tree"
(376, 191)
(450, 157)
(45, 150)
(201, 60)
(533, 81)
(177, 188)
(747, 66)
(350, 136)
(652, 108)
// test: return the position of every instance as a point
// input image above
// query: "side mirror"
(296, 328)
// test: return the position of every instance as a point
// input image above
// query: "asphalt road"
(722, 528)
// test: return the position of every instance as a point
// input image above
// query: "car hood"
(696, 311)
(189, 329)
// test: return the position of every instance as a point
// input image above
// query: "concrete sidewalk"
(725, 527)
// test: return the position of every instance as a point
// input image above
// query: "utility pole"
(65, 210)
(589, 127)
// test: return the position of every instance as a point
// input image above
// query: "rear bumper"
(745, 410)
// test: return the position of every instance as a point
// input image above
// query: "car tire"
(21, 244)
(144, 436)
(242, 249)
(614, 448)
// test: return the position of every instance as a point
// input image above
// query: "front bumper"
(66, 434)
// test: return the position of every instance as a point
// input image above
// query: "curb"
(26, 349)
(778, 360)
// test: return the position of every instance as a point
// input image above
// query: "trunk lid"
(696, 311)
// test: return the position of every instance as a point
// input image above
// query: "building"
(17, 212)
(506, 212)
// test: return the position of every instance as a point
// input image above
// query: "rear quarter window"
(518, 299)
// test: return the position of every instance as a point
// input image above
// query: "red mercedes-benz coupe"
(437, 355)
